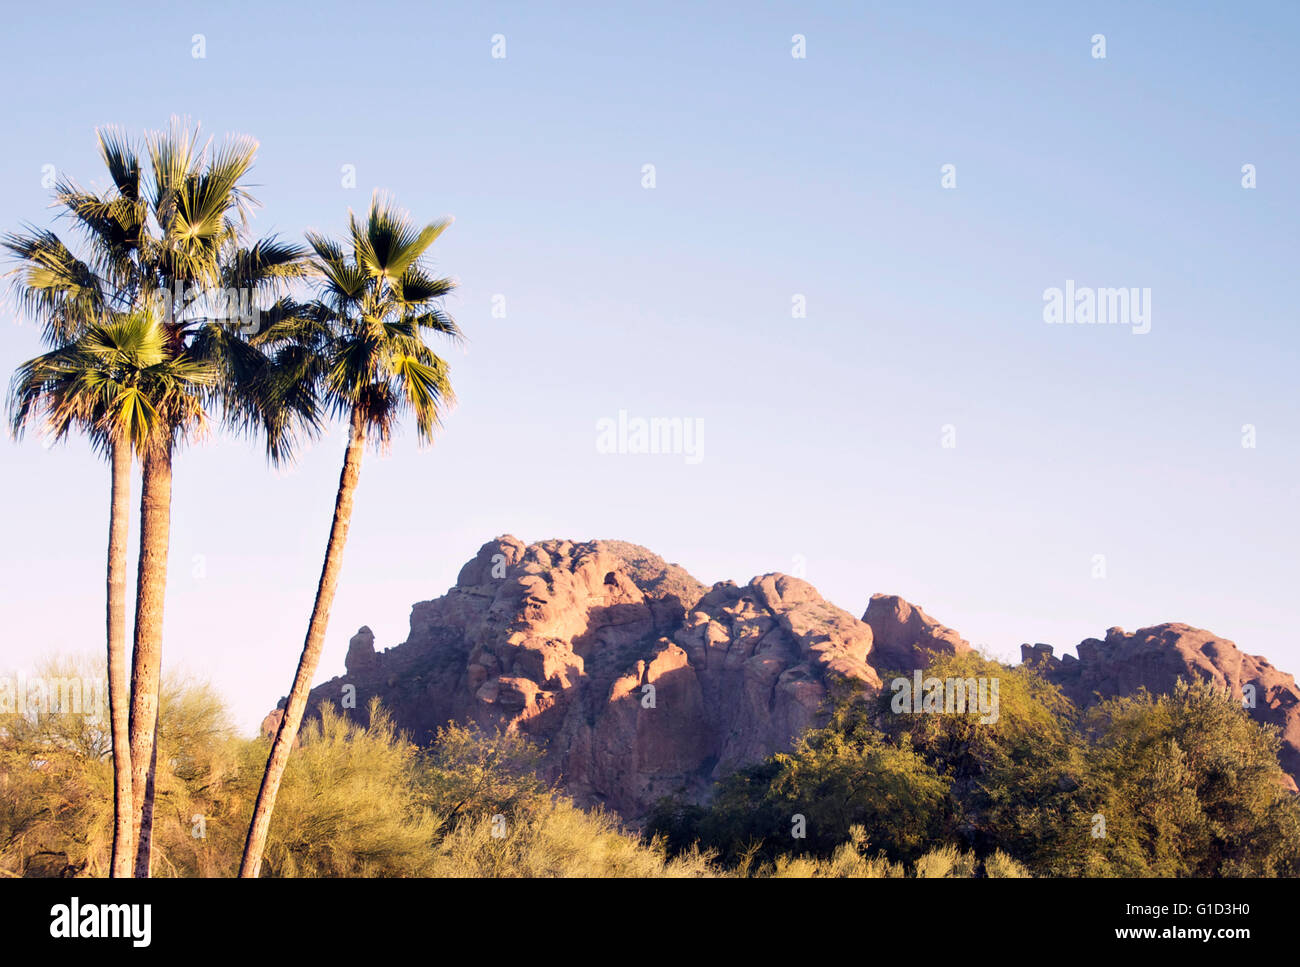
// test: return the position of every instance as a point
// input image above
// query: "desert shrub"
(1188, 785)
(849, 860)
(56, 783)
(998, 865)
(467, 770)
(555, 838)
(845, 775)
(946, 862)
(348, 804)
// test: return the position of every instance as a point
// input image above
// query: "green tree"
(467, 769)
(1016, 778)
(845, 775)
(1189, 785)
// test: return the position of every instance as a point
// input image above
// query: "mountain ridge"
(640, 681)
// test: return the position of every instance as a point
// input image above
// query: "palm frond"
(387, 243)
(415, 287)
(52, 286)
(122, 159)
(374, 304)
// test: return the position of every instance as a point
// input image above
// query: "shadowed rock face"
(1156, 657)
(641, 682)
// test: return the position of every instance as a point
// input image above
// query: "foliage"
(838, 777)
(1187, 784)
(1182, 785)
(355, 801)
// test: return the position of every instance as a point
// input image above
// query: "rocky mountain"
(641, 682)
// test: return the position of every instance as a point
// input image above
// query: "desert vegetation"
(354, 802)
(1183, 784)
(935, 797)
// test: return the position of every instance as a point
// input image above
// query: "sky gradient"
(775, 177)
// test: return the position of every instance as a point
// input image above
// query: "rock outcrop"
(1156, 657)
(638, 681)
(906, 637)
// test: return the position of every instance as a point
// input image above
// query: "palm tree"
(360, 346)
(157, 242)
(109, 383)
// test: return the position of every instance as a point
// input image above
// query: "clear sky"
(775, 176)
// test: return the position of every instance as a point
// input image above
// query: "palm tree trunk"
(144, 850)
(119, 697)
(151, 582)
(287, 734)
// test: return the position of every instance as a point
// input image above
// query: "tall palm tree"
(360, 346)
(109, 383)
(168, 240)
(200, 208)
(66, 295)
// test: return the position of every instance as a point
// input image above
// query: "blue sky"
(774, 177)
